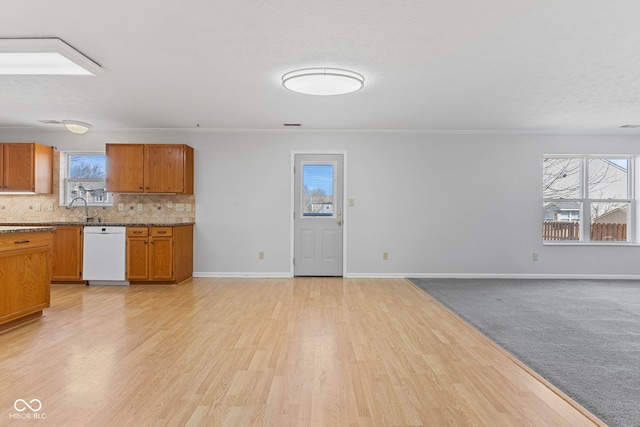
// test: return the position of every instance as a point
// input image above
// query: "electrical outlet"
(352, 203)
(535, 256)
(179, 207)
(38, 207)
(385, 256)
(187, 207)
(120, 207)
(139, 206)
(50, 207)
(170, 204)
(260, 255)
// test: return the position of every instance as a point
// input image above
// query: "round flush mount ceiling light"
(323, 81)
(75, 126)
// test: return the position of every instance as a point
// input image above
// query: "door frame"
(292, 205)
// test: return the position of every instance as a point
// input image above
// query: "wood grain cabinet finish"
(26, 167)
(67, 253)
(150, 168)
(159, 254)
(25, 276)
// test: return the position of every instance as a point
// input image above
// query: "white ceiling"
(494, 65)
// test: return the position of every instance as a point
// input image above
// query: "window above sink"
(83, 174)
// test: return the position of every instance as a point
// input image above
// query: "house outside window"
(83, 174)
(587, 199)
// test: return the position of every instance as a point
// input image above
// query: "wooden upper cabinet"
(125, 168)
(149, 168)
(164, 169)
(1, 167)
(26, 167)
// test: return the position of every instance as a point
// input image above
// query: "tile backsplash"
(25, 208)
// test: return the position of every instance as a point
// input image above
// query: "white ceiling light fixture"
(323, 81)
(44, 56)
(75, 126)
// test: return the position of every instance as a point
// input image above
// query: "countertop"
(94, 224)
(23, 229)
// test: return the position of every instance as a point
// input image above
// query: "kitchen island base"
(25, 274)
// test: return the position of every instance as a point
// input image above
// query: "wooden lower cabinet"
(67, 254)
(25, 276)
(159, 254)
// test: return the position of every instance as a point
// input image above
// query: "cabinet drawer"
(161, 231)
(137, 231)
(15, 241)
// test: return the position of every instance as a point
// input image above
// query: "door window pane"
(317, 189)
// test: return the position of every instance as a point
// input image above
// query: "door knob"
(339, 222)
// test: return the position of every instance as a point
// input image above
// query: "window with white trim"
(83, 174)
(587, 198)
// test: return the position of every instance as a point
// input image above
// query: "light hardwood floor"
(266, 352)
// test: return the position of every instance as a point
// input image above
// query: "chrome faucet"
(86, 207)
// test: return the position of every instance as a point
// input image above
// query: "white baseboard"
(239, 274)
(430, 275)
(524, 276)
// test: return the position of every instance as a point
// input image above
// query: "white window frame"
(66, 182)
(585, 201)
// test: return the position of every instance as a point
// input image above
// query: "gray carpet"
(582, 336)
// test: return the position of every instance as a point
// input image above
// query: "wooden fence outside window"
(555, 230)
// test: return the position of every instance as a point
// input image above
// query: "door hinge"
(294, 261)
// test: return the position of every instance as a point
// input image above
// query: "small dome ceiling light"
(75, 126)
(323, 81)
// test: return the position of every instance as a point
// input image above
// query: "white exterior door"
(318, 214)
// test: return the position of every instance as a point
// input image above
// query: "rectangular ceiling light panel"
(44, 56)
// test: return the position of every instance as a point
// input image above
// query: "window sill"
(589, 244)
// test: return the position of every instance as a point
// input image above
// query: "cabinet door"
(164, 168)
(67, 253)
(25, 277)
(125, 168)
(161, 258)
(18, 167)
(1, 167)
(137, 258)
(42, 169)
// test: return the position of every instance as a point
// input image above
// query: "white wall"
(439, 204)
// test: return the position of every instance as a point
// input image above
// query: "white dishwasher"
(104, 255)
